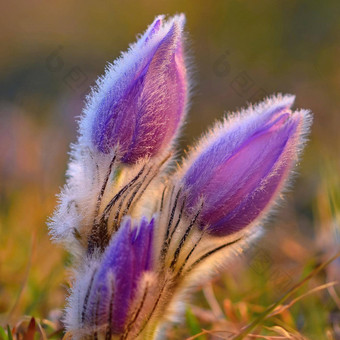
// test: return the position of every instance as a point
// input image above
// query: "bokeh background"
(242, 51)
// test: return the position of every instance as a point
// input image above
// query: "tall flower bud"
(140, 102)
(134, 112)
(239, 169)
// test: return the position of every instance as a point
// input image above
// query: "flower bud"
(113, 282)
(240, 168)
(139, 104)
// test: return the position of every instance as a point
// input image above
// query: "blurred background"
(242, 51)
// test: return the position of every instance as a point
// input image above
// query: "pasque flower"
(241, 166)
(141, 101)
(102, 301)
(142, 233)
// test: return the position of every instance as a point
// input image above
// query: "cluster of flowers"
(143, 231)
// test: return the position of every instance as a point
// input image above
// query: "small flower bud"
(113, 282)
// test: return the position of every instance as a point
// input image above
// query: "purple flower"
(115, 281)
(131, 277)
(241, 167)
(141, 101)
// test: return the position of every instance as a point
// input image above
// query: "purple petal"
(161, 102)
(142, 245)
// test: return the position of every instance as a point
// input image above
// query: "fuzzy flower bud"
(139, 104)
(239, 169)
(104, 306)
(134, 113)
